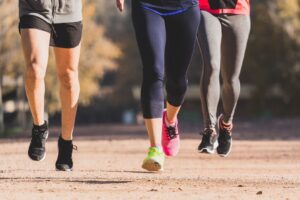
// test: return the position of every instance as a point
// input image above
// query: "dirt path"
(110, 169)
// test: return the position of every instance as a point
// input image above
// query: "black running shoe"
(209, 141)
(37, 150)
(224, 140)
(64, 160)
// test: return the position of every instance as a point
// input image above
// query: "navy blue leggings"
(166, 45)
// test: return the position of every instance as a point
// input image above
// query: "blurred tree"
(271, 64)
(10, 54)
(120, 29)
(272, 59)
(99, 54)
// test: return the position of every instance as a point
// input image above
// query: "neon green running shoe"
(154, 160)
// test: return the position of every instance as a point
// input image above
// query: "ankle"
(65, 141)
(41, 128)
(64, 138)
(226, 125)
(158, 147)
(170, 122)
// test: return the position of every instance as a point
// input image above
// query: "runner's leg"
(181, 36)
(235, 30)
(35, 45)
(67, 60)
(151, 36)
(209, 37)
(35, 36)
(178, 57)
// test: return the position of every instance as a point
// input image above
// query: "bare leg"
(154, 131)
(172, 112)
(35, 47)
(67, 70)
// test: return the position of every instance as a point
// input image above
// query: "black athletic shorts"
(63, 35)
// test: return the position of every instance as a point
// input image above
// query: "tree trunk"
(2, 127)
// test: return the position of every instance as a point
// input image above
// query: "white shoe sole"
(225, 155)
(209, 150)
(45, 152)
(38, 160)
(68, 170)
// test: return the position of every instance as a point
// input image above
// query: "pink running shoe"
(170, 137)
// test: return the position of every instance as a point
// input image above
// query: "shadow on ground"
(275, 129)
(54, 179)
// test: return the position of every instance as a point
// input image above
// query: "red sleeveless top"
(238, 7)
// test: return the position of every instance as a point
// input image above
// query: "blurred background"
(110, 70)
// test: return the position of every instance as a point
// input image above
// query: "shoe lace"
(151, 151)
(171, 132)
(75, 148)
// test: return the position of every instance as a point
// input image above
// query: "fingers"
(120, 5)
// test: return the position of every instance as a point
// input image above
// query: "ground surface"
(108, 167)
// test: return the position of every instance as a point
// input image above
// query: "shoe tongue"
(38, 133)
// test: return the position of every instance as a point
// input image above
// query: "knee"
(177, 86)
(231, 82)
(153, 76)
(213, 67)
(35, 71)
(68, 79)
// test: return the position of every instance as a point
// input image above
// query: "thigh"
(181, 37)
(151, 38)
(209, 39)
(35, 45)
(67, 59)
(235, 30)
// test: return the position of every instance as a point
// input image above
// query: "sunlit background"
(110, 69)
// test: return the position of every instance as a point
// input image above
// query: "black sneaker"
(37, 150)
(209, 141)
(224, 140)
(64, 160)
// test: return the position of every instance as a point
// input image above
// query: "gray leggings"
(222, 41)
